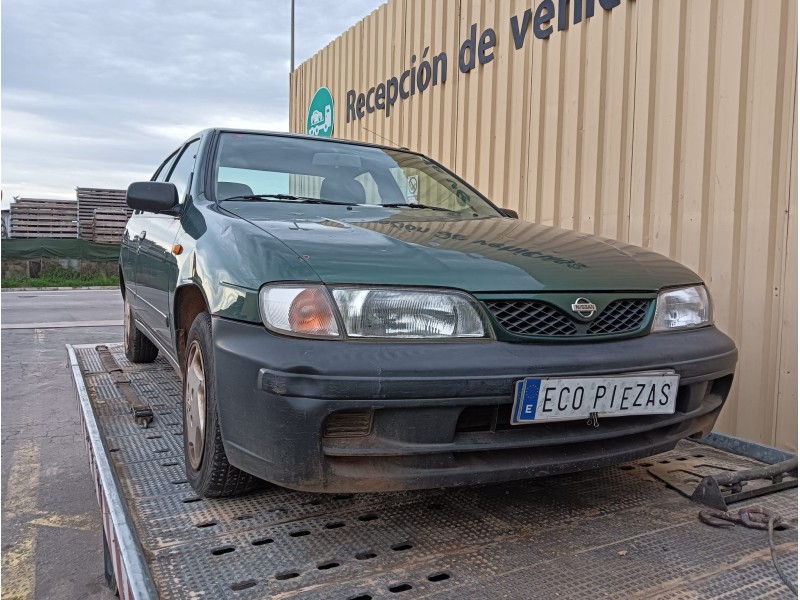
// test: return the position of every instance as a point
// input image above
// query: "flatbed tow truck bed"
(614, 532)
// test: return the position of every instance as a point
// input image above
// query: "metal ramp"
(610, 533)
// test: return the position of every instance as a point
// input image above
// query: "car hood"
(419, 247)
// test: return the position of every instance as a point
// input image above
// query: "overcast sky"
(97, 93)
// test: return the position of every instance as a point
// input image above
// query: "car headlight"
(683, 308)
(406, 313)
(385, 313)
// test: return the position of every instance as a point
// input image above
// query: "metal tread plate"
(609, 533)
(166, 421)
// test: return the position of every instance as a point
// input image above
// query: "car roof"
(212, 130)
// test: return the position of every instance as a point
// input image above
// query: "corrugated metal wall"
(669, 124)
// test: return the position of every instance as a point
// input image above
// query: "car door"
(131, 237)
(156, 265)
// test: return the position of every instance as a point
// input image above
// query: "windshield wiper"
(416, 205)
(287, 198)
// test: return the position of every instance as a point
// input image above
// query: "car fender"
(229, 259)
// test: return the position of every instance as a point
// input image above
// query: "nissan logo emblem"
(584, 308)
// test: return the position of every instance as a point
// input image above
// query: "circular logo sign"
(584, 308)
(320, 114)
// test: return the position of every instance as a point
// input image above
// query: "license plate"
(560, 399)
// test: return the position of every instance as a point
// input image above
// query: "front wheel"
(207, 467)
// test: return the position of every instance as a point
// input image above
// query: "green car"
(350, 317)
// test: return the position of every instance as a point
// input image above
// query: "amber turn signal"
(177, 249)
(310, 313)
(295, 310)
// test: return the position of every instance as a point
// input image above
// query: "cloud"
(97, 93)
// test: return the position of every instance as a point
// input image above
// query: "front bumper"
(438, 411)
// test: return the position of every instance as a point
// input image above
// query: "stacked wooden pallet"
(108, 225)
(38, 218)
(92, 199)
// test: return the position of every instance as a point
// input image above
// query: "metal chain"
(749, 517)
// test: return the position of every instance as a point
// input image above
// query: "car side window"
(163, 170)
(183, 168)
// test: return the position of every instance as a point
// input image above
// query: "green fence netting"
(57, 248)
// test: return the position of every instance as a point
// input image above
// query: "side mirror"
(153, 196)
(509, 213)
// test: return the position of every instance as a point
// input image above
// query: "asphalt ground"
(51, 530)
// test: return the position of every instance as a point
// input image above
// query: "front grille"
(525, 317)
(619, 316)
(535, 318)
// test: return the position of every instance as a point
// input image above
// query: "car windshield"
(274, 168)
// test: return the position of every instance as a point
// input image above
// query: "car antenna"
(383, 138)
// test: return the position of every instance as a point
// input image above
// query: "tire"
(138, 348)
(207, 467)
